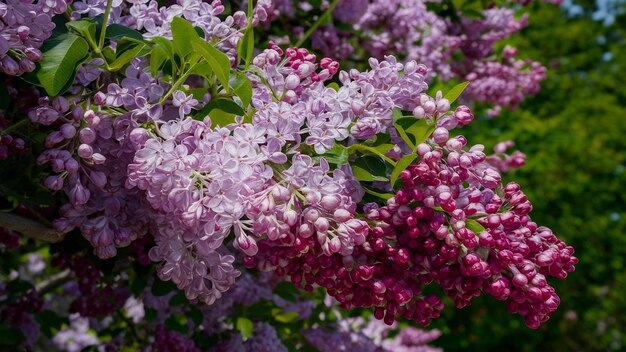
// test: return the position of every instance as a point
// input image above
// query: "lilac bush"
(210, 192)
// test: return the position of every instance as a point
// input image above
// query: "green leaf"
(61, 57)
(176, 323)
(474, 226)
(49, 322)
(184, 34)
(139, 285)
(366, 149)
(203, 69)
(218, 60)
(401, 166)
(117, 31)
(178, 299)
(225, 105)
(196, 315)
(245, 47)
(10, 336)
(333, 85)
(369, 168)
(397, 115)
(337, 155)
(222, 112)
(364, 175)
(166, 44)
(242, 87)
(384, 196)
(126, 57)
(420, 129)
(284, 317)
(245, 327)
(456, 91)
(86, 28)
(168, 49)
(158, 57)
(161, 288)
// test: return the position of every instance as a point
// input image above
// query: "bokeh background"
(574, 135)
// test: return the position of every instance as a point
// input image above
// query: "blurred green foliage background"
(574, 135)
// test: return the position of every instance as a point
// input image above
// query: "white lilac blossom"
(76, 337)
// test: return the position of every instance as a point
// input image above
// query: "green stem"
(105, 21)
(13, 127)
(323, 18)
(177, 84)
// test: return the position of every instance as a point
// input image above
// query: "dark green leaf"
(369, 168)
(244, 326)
(49, 322)
(176, 323)
(368, 150)
(59, 25)
(242, 87)
(138, 285)
(161, 288)
(151, 314)
(61, 57)
(117, 31)
(184, 34)
(218, 60)
(178, 299)
(456, 91)
(225, 105)
(10, 337)
(400, 166)
(196, 315)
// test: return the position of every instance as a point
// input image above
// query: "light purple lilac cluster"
(89, 156)
(24, 25)
(356, 334)
(154, 20)
(75, 337)
(407, 29)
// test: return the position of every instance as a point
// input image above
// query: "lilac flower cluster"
(504, 162)
(431, 221)
(91, 169)
(9, 145)
(155, 21)
(76, 336)
(358, 335)
(407, 29)
(24, 25)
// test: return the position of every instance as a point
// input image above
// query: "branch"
(53, 282)
(29, 228)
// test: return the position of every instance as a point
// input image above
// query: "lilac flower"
(183, 102)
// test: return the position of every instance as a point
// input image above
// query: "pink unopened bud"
(342, 215)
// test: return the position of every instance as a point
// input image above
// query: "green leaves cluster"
(188, 53)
